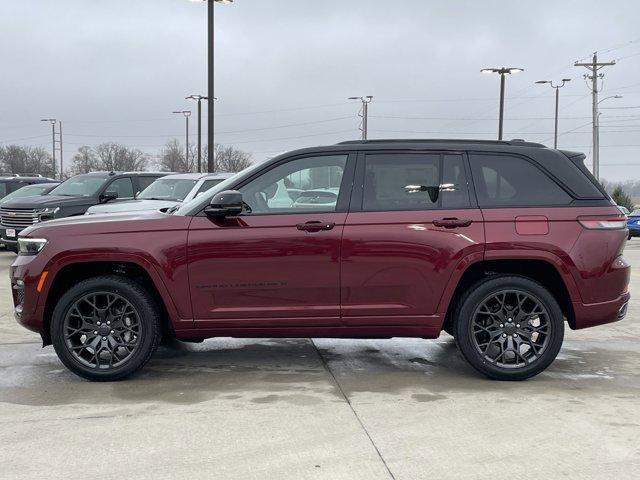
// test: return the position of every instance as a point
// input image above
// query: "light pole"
(502, 72)
(596, 137)
(365, 113)
(186, 114)
(210, 3)
(199, 98)
(557, 89)
(53, 122)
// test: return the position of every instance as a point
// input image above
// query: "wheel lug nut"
(95, 332)
(504, 334)
(112, 331)
(108, 323)
(518, 325)
(502, 325)
(515, 335)
(509, 319)
(98, 323)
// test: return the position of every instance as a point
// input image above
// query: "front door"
(411, 223)
(278, 263)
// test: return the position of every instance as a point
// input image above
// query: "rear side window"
(504, 180)
(413, 181)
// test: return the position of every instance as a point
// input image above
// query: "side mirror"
(225, 204)
(108, 196)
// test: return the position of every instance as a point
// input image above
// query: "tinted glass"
(503, 180)
(454, 192)
(3, 189)
(299, 185)
(401, 182)
(80, 185)
(168, 189)
(144, 182)
(122, 186)
(207, 184)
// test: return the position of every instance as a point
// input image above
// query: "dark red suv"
(497, 243)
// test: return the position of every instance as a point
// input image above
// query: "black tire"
(146, 337)
(475, 305)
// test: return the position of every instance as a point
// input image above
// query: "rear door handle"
(452, 222)
(315, 226)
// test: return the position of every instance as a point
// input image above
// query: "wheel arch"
(541, 270)
(75, 271)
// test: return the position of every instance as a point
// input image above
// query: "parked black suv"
(70, 198)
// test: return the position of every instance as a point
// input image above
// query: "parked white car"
(165, 192)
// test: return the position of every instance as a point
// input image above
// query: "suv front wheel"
(105, 328)
(509, 327)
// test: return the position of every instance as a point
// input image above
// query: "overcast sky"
(115, 70)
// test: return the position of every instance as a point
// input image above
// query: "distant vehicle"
(633, 224)
(32, 190)
(72, 197)
(499, 243)
(12, 183)
(165, 192)
(624, 210)
(28, 191)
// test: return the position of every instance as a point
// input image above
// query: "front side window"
(122, 186)
(505, 180)
(305, 184)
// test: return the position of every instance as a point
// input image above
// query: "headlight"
(30, 246)
(47, 213)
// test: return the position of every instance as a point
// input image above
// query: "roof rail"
(516, 141)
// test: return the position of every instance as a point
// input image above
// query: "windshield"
(168, 189)
(80, 186)
(202, 200)
(28, 191)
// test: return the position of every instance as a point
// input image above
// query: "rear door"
(412, 221)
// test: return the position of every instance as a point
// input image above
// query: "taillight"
(603, 222)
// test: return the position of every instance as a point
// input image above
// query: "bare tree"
(116, 157)
(172, 157)
(229, 158)
(84, 161)
(26, 160)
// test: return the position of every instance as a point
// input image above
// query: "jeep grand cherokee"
(497, 243)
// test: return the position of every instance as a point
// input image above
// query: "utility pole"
(60, 143)
(364, 113)
(593, 67)
(199, 98)
(557, 89)
(502, 72)
(56, 143)
(186, 114)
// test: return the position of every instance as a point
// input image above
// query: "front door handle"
(452, 222)
(315, 226)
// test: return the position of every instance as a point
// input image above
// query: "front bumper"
(25, 273)
(592, 314)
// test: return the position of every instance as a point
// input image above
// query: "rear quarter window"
(505, 180)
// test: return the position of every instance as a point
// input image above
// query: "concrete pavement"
(323, 409)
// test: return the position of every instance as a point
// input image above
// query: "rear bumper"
(592, 314)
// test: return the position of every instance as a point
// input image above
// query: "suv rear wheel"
(509, 327)
(105, 328)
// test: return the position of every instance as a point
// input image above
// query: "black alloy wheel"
(105, 328)
(509, 327)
